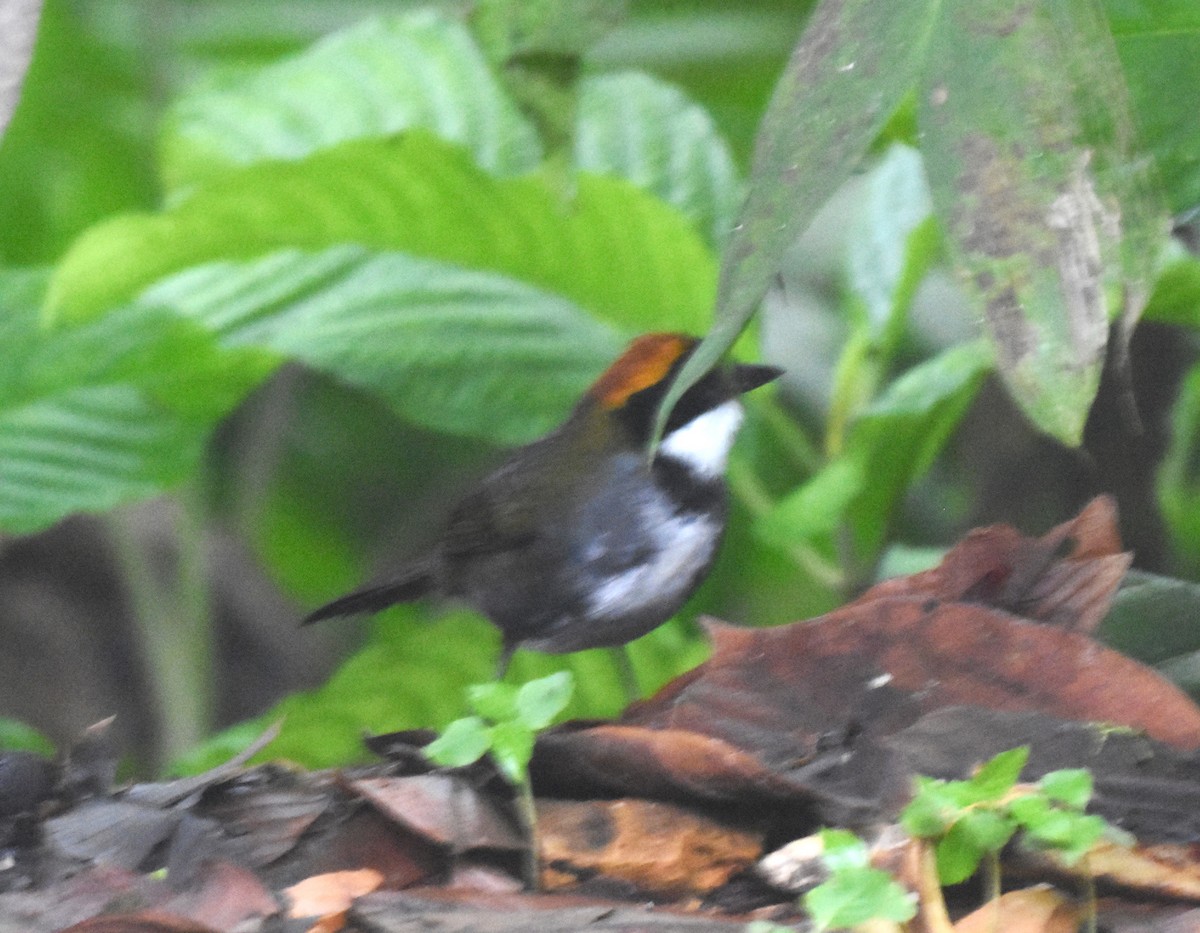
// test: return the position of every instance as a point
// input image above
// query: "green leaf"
(987, 829)
(612, 249)
(412, 672)
(1043, 239)
(539, 701)
(999, 775)
(816, 509)
(57, 179)
(1159, 45)
(1069, 786)
(516, 28)
(495, 702)
(852, 66)
(16, 736)
(958, 854)
(849, 898)
(1087, 830)
(893, 441)
(88, 450)
(111, 411)
(461, 743)
(1069, 833)
(1179, 490)
(459, 351)
(880, 263)
(373, 79)
(1153, 618)
(842, 849)
(1176, 295)
(636, 127)
(897, 437)
(512, 748)
(1031, 809)
(934, 807)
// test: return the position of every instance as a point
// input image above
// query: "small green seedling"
(506, 721)
(855, 891)
(972, 820)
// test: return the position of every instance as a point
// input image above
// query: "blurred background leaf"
(314, 264)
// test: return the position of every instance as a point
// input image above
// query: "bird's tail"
(415, 584)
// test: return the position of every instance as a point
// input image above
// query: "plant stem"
(933, 914)
(802, 451)
(528, 814)
(750, 492)
(991, 877)
(1090, 919)
(172, 617)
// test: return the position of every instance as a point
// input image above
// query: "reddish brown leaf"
(614, 758)
(1066, 578)
(741, 724)
(817, 675)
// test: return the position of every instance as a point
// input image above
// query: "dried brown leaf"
(331, 893)
(1039, 909)
(442, 808)
(655, 847)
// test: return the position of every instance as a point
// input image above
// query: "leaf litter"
(676, 802)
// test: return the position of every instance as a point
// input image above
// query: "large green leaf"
(636, 127)
(853, 65)
(115, 410)
(451, 349)
(610, 248)
(1028, 140)
(421, 69)
(1159, 45)
(79, 144)
(87, 450)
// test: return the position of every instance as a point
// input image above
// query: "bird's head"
(701, 427)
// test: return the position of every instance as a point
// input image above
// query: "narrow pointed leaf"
(1029, 149)
(851, 68)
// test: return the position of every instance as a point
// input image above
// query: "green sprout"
(855, 890)
(505, 724)
(972, 820)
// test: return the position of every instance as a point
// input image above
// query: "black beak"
(749, 376)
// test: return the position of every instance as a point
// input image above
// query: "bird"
(581, 539)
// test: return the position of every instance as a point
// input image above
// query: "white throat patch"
(703, 443)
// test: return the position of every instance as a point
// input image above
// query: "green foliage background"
(453, 215)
